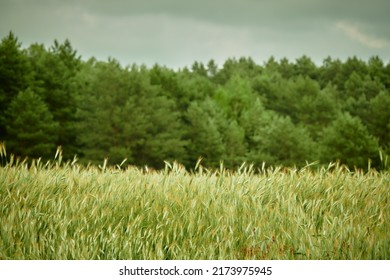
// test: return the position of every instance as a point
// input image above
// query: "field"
(66, 211)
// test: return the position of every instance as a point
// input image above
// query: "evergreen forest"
(280, 112)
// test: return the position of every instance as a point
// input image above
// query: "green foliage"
(14, 75)
(235, 145)
(288, 144)
(31, 129)
(153, 127)
(378, 118)
(305, 67)
(276, 140)
(205, 126)
(281, 112)
(349, 141)
(99, 111)
(13, 68)
(54, 72)
(234, 97)
(125, 116)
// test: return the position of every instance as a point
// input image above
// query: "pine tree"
(31, 129)
(14, 75)
(347, 140)
(378, 118)
(206, 123)
(54, 73)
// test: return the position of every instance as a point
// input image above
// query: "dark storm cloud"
(251, 12)
(177, 32)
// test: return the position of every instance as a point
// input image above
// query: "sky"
(176, 33)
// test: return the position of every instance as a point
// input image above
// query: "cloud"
(178, 41)
(354, 33)
(177, 32)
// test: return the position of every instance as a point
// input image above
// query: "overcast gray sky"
(175, 33)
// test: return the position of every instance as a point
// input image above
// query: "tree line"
(280, 112)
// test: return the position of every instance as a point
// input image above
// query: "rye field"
(67, 211)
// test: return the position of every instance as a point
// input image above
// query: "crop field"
(67, 211)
